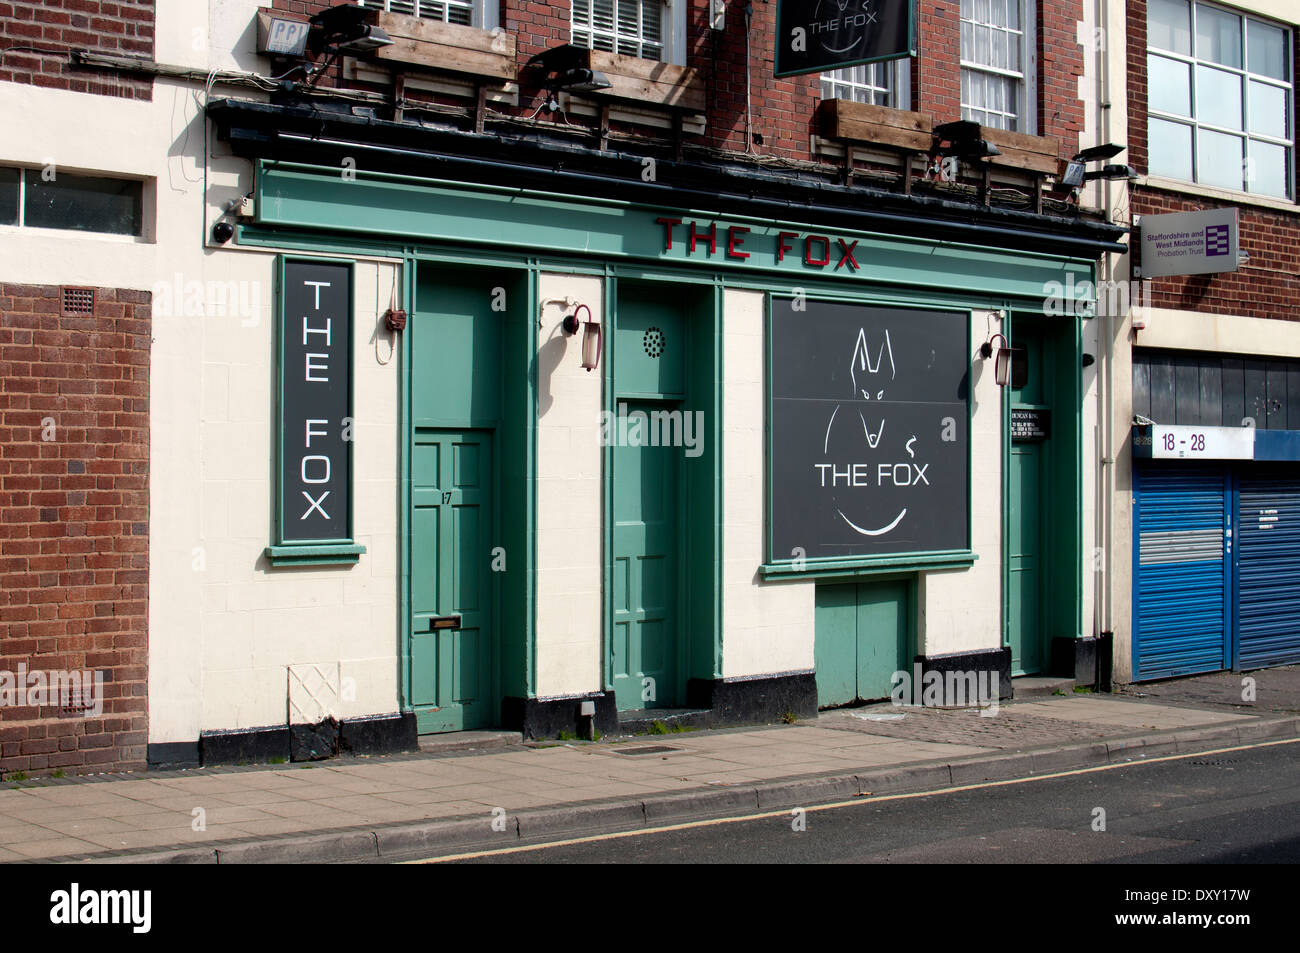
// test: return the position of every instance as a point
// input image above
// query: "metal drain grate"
(646, 749)
(1215, 764)
(78, 300)
(654, 342)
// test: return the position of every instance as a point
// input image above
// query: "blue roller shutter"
(1181, 582)
(1268, 567)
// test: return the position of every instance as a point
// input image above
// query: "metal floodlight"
(963, 139)
(1099, 153)
(581, 81)
(560, 59)
(1111, 172)
(372, 38)
(345, 30)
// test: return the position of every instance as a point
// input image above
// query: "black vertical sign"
(315, 402)
(817, 35)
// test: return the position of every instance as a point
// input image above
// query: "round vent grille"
(654, 342)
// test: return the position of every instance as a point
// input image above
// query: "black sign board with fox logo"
(868, 431)
(818, 35)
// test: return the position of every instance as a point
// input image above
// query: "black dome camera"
(222, 232)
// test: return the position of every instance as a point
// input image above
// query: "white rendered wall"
(569, 497)
(223, 626)
(766, 627)
(961, 610)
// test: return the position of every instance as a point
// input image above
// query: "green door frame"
(1063, 568)
(699, 656)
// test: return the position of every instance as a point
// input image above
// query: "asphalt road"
(1238, 807)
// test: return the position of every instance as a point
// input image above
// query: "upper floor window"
(879, 84)
(997, 56)
(650, 29)
(1220, 98)
(479, 13)
(84, 203)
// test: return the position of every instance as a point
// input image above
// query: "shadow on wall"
(547, 361)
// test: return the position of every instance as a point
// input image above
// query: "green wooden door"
(862, 638)
(451, 524)
(1025, 558)
(645, 566)
(1028, 512)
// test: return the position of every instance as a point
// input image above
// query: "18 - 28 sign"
(818, 35)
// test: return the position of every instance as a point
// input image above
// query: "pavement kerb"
(430, 837)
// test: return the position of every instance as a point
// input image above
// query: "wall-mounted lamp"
(1002, 365)
(591, 340)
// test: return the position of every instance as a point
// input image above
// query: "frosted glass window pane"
(1268, 110)
(1169, 25)
(1266, 50)
(1218, 97)
(1170, 85)
(1013, 14)
(1169, 149)
(1218, 36)
(1219, 159)
(1267, 169)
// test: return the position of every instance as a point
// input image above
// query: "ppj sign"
(869, 431)
(315, 423)
(817, 35)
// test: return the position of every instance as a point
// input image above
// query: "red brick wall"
(1060, 64)
(1265, 287)
(55, 27)
(74, 521)
(784, 109)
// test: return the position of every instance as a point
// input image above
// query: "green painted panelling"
(299, 196)
(863, 636)
(650, 347)
(836, 644)
(457, 336)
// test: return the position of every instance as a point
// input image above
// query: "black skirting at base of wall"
(548, 717)
(373, 734)
(763, 700)
(985, 664)
(1087, 661)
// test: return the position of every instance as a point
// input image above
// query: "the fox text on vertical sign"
(315, 402)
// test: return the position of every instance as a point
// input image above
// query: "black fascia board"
(324, 136)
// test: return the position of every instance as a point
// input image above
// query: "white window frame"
(1247, 77)
(840, 84)
(673, 18)
(484, 14)
(1027, 96)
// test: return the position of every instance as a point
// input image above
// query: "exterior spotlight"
(1002, 364)
(345, 30)
(581, 81)
(1111, 172)
(963, 139)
